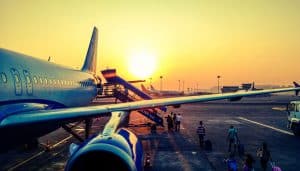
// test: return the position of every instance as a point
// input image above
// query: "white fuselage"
(27, 79)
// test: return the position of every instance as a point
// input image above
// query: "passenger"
(248, 165)
(264, 154)
(232, 138)
(231, 163)
(170, 123)
(201, 134)
(174, 120)
(178, 122)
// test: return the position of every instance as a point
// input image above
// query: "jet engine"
(119, 151)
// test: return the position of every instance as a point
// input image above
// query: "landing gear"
(88, 126)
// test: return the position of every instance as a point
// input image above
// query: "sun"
(142, 65)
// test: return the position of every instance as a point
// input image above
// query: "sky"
(190, 40)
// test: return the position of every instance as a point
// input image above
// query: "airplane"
(156, 92)
(31, 85)
(37, 97)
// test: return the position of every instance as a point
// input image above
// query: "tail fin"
(296, 85)
(152, 88)
(144, 88)
(252, 87)
(90, 63)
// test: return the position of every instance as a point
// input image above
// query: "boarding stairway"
(126, 92)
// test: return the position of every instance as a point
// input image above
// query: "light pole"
(218, 83)
(183, 86)
(161, 77)
(178, 85)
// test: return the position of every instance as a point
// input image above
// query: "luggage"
(208, 145)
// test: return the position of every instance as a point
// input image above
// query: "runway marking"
(267, 126)
(25, 161)
(40, 153)
(279, 108)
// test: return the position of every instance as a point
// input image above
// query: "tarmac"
(258, 120)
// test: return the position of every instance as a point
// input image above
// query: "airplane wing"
(67, 114)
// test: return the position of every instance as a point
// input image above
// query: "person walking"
(178, 122)
(174, 121)
(232, 138)
(265, 156)
(201, 134)
(170, 123)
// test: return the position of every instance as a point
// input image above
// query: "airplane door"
(17, 81)
(28, 82)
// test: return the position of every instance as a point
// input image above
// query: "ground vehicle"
(293, 110)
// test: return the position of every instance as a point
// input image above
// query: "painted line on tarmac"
(25, 161)
(40, 153)
(267, 126)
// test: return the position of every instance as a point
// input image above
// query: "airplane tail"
(90, 63)
(252, 87)
(296, 85)
(144, 88)
(152, 88)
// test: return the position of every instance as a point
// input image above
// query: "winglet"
(296, 85)
(90, 63)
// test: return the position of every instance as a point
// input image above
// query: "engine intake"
(119, 152)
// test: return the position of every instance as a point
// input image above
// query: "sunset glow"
(190, 40)
(142, 65)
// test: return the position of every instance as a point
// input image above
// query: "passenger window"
(26, 74)
(35, 80)
(28, 79)
(41, 80)
(17, 79)
(3, 77)
(46, 81)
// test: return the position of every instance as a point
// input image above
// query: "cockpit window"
(3, 77)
